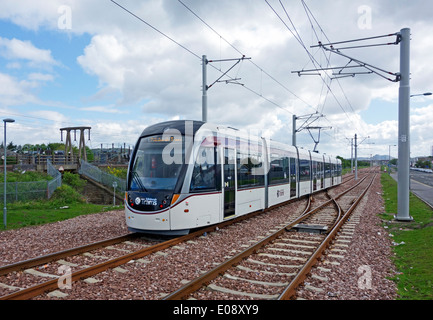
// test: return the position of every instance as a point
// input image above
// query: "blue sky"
(65, 49)
(112, 72)
(380, 111)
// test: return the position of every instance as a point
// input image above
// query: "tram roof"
(183, 126)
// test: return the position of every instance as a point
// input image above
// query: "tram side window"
(304, 170)
(249, 170)
(279, 170)
(327, 170)
(205, 170)
(319, 169)
(314, 169)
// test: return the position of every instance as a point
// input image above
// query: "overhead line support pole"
(204, 96)
(404, 128)
(205, 88)
(294, 130)
(356, 156)
(309, 119)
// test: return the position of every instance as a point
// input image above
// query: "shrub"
(74, 181)
(118, 172)
(66, 195)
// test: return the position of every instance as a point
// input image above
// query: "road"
(423, 177)
(421, 184)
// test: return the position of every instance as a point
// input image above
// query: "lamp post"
(389, 156)
(114, 192)
(421, 94)
(4, 161)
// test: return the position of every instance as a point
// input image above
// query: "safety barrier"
(57, 179)
(101, 176)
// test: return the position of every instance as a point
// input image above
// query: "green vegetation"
(346, 163)
(46, 149)
(424, 163)
(73, 180)
(25, 176)
(120, 172)
(65, 203)
(413, 244)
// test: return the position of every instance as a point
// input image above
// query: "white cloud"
(15, 49)
(14, 92)
(141, 66)
(29, 14)
(102, 109)
(53, 116)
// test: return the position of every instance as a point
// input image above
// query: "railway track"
(102, 256)
(274, 267)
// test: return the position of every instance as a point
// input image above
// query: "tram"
(185, 175)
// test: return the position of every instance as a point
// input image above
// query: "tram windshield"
(157, 163)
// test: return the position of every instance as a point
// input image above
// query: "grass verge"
(66, 203)
(413, 242)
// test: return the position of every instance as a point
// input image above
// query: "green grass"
(347, 170)
(414, 254)
(65, 203)
(25, 176)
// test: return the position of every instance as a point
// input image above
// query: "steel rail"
(290, 290)
(197, 283)
(22, 265)
(35, 290)
(50, 285)
(204, 279)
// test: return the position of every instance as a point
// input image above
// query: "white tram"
(189, 174)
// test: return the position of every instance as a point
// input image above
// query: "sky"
(68, 63)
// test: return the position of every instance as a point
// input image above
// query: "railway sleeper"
(309, 228)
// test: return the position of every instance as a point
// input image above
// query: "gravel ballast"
(362, 274)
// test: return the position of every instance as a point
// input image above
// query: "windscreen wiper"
(137, 180)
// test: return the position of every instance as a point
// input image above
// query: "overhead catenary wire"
(297, 36)
(260, 94)
(309, 13)
(196, 55)
(311, 16)
(260, 68)
(237, 50)
(25, 121)
(312, 58)
(156, 29)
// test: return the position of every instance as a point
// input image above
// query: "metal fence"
(32, 190)
(52, 185)
(25, 191)
(101, 176)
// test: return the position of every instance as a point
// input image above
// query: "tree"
(423, 164)
(11, 146)
(345, 163)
